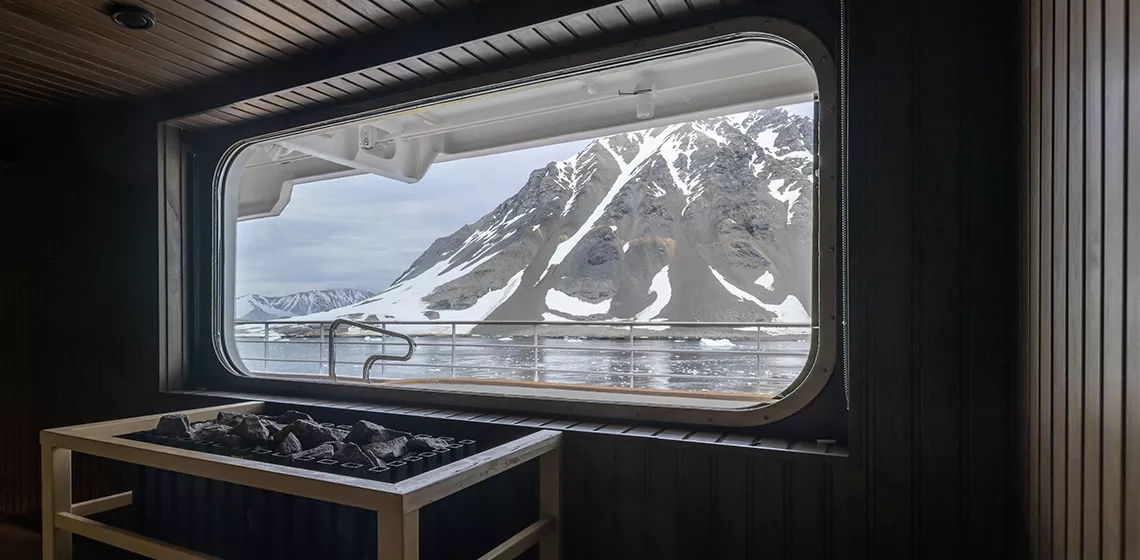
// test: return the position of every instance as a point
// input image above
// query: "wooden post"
(397, 534)
(550, 503)
(412, 535)
(55, 471)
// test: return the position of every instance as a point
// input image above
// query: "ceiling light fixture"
(131, 17)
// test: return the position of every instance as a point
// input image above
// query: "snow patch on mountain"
(671, 152)
(788, 196)
(570, 305)
(767, 139)
(405, 299)
(663, 291)
(486, 304)
(766, 280)
(799, 154)
(788, 311)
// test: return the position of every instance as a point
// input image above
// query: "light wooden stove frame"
(397, 505)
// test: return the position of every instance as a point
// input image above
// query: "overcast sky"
(364, 231)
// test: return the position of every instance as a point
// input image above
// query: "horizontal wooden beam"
(345, 490)
(444, 481)
(371, 51)
(106, 503)
(522, 540)
(125, 540)
(143, 423)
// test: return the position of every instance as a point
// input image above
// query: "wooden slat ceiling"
(608, 20)
(64, 52)
(55, 52)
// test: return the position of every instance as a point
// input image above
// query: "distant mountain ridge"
(703, 221)
(254, 307)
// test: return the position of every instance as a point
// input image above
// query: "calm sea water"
(739, 365)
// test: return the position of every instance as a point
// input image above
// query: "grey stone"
(365, 432)
(272, 426)
(352, 453)
(174, 425)
(214, 433)
(420, 443)
(289, 416)
(322, 451)
(253, 430)
(230, 419)
(389, 450)
(309, 433)
(290, 444)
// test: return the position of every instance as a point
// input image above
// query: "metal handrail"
(370, 360)
(597, 373)
(619, 324)
(530, 341)
(531, 346)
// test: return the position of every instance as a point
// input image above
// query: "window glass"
(671, 253)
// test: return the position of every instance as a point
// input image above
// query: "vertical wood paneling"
(599, 488)
(1093, 303)
(768, 537)
(1131, 529)
(1032, 384)
(574, 472)
(808, 512)
(1074, 274)
(76, 278)
(1113, 329)
(849, 516)
(632, 478)
(937, 395)
(1082, 290)
(730, 528)
(1059, 244)
(1044, 546)
(663, 504)
(694, 503)
(890, 391)
(987, 336)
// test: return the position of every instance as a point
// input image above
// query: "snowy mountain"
(709, 220)
(255, 307)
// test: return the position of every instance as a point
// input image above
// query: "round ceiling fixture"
(131, 17)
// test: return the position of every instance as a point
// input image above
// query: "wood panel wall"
(934, 221)
(80, 247)
(933, 297)
(1079, 391)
